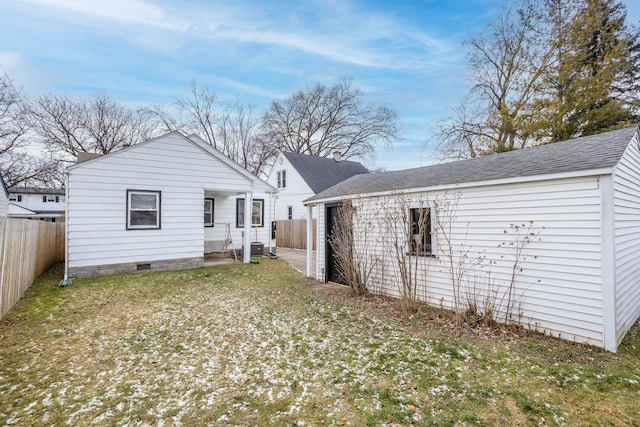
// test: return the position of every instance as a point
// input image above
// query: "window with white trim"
(282, 179)
(289, 212)
(13, 198)
(208, 212)
(420, 232)
(143, 209)
(257, 213)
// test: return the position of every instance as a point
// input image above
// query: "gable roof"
(200, 144)
(321, 173)
(589, 152)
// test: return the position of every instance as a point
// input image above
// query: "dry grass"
(253, 345)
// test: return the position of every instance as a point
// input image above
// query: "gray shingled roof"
(36, 190)
(589, 152)
(321, 173)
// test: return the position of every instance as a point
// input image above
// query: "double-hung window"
(257, 213)
(420, 232)
(143, 209)
(208, 212)
(282, 179)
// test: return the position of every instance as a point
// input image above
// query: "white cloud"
(9, 61)
(129, 11)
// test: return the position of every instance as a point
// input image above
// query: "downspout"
(309, 271)
(248, 209)
(65, 281)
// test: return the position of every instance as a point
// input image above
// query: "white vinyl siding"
(177, 168)
(560, 287)
(626, 181)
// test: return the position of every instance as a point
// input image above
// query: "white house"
(36, 203)
(580, 274)
(161, 205)
(4, 198)
(299, 176)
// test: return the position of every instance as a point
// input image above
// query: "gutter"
(65, 281)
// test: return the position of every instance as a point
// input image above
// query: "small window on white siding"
(257, 213)
(13, 198)
(208, 212)
(289, 212)
(420, 241)
(19, 197)
(282, 179)
(143, 209)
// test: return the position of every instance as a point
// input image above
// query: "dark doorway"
(331, 216)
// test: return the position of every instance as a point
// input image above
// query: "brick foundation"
(132, 267)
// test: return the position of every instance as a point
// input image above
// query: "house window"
(19, 197)
(57, 199)
(290, 212)
(44, 199)
(143, 209)
(208, 212)
(13, 198)
(282, 179)
(257, 213)
(420, 231)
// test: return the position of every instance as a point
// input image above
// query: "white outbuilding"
(577, 202)
(160, 205)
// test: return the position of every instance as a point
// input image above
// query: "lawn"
(253, 345)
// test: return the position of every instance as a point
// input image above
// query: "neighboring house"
(4, 198)
(299, 176)
(580, 277)
(36, 203)
(161, 205)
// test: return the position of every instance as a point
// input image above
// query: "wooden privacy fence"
(292, 233)
(27, 249)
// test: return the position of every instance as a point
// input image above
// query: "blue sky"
(407, 54)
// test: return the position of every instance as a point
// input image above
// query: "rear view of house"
(577, 201)
(160, 205)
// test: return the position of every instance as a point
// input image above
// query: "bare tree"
(99, 125)
(231, 127)
(351, 242)
(506, 66)
(321, 119)
(17, 164)
(240, 139)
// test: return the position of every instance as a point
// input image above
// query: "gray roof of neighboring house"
(35, 190)
(321, 173)
(589, 152)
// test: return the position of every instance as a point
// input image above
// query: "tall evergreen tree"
(593, 51)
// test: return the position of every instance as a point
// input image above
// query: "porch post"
(248, 209)
(309, 240)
